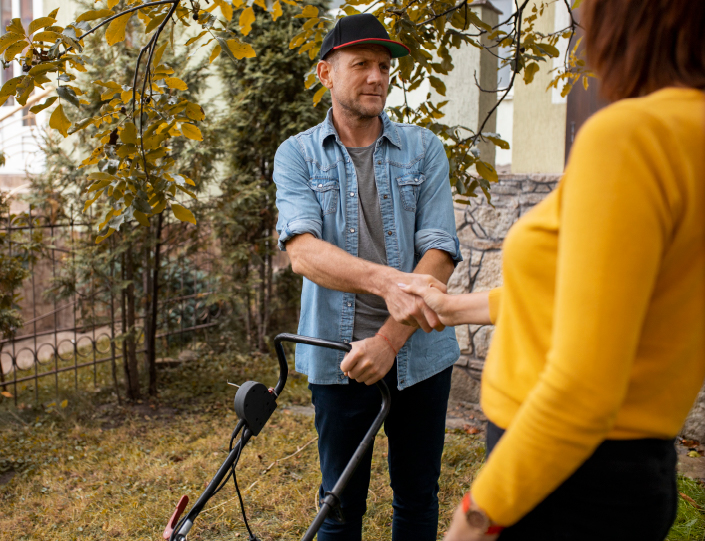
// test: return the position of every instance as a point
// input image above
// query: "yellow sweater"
(601, 320)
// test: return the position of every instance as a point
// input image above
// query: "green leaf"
(95, 14)
(116, 30)
(154, 23)
(191, 132)
(128, 135)
(141, 217)
(42, 106)
(183, 214)
(437, 85)
(68, 94)
(247, 17)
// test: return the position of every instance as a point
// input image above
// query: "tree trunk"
(133, 389)
(147, 289)
(151, 338)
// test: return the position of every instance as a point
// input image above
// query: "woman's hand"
(434, 298)
(460, 530)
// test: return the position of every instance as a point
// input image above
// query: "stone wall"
(481, 230)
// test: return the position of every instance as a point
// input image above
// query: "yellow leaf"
(159, 207)
(95, 14)
(319, 95)
(175, 82)
(487, 171)
(98, 240)
(15, 26)
(64, 403)
(42, 22)
(194, 111)
(277, 10)
(116, 29)
(307, 13)
(13, 49)
(6, 394)
(141, 217)
(226, 9)
(183, 214)
(241, 50)
(59, 121)
(113, 3)
(192, 132)
(530, 71)
(247, 17)
(261, 4)
(158, 55)
(128, 135)
(585, 82)
(214, 54)
(47, 35)
(154, 23)
(8, 39)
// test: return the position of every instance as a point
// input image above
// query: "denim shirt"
(317, 194)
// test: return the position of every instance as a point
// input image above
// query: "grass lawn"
(95, 470)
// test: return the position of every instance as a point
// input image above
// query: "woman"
(599, 347)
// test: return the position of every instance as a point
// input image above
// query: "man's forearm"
(334, 268)
(434, 262)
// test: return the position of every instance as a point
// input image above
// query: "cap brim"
(397, 49)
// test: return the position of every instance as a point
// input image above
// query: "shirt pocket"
(327, 189)
(409, 189)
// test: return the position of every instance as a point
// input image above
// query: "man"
(362, 202)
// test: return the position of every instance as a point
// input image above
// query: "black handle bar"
(332, 498)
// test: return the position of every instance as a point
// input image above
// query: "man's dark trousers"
(416, 431)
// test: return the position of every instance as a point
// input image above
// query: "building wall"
(538, 138)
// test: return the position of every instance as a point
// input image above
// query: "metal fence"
(73, 302)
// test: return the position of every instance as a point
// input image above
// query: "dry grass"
(96, 471)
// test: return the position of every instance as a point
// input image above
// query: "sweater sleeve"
(495, 297)
(614, 223)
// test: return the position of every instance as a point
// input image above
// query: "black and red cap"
(357, 30)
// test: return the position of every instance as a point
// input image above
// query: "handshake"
(418, 300)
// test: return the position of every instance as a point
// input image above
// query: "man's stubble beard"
(357, 111)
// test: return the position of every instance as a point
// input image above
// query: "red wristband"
(492, 529)
(388, 342)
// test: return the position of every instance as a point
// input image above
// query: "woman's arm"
(470, 308)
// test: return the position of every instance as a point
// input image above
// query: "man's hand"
(460, 530)
(369, 360)
(409, 309)
(435, 298)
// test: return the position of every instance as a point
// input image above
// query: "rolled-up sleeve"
(299, 211)
(435, 219)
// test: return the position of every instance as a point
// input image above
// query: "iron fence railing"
(70, 327)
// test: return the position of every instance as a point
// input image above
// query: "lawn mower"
(254, 405)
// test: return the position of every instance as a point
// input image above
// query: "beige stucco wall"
(539, 123)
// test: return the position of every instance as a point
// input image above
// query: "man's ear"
(325, 73)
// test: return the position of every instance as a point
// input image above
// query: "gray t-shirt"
(370, 310)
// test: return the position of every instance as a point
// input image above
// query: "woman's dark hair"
(639, 46)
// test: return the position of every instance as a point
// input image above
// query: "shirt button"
(352, 194)
(345, 341)
(386, 197)
(352, 230)
(349, 304)
(389, 232)
(379, 162)
(320, 185)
